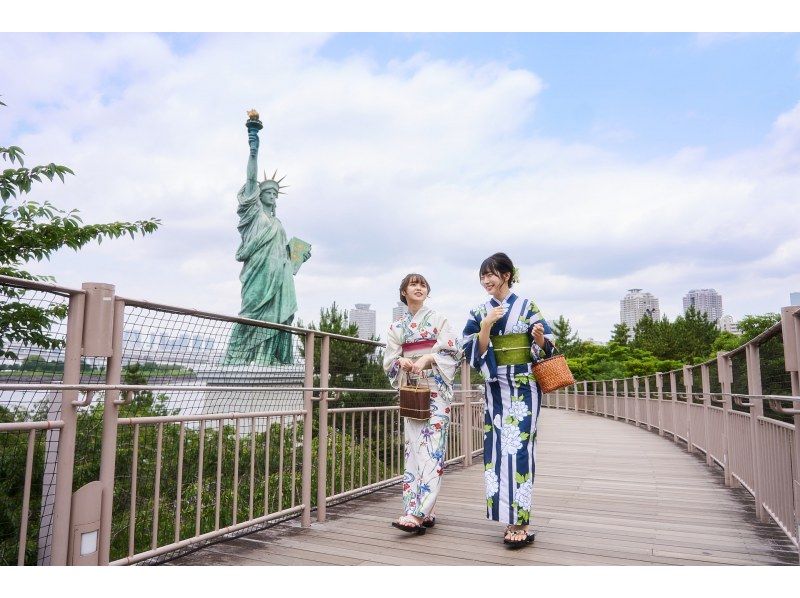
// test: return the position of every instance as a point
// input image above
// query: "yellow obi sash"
(512, 349)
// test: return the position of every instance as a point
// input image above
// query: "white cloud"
(423, 164)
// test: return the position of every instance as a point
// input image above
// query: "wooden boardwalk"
(606, 493)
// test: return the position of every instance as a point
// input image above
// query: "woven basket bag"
(552, 373)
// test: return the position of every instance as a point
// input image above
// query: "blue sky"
(599, 162)
(660, 92)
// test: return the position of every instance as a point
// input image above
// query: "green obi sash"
(512, 349)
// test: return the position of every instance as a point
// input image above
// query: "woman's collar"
(507, 299)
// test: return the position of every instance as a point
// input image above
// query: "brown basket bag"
(552, 373)
(415, 401)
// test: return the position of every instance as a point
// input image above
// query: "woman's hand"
(493, 316)
(423, 363)
(538, 334)
(405, 364)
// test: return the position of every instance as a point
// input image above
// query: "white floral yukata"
(513, 401)
(425, 441)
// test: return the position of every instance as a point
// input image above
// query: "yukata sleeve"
(535, 317)
(484, 362)
(391, 357)
(446, 351)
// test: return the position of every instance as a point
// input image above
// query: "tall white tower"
(706, 301)
(636, 305)
(363, 317)
(399, 312)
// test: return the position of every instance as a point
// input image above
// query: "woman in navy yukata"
(501, 339)
(422, 347)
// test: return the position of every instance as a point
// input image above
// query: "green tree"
(656, 337)
(726, 341)
(30, 230)
(352, 364)
(752, 325)
(605, 362)
(566, 340)
(695, 335)
(619, 334)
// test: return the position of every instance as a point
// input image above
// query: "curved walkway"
(606, 493)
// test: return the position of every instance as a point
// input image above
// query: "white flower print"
(519, 328)
(510, 442)
(491, 482)
(519, 410)
(524, 495)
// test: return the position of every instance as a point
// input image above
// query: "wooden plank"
(605, 494)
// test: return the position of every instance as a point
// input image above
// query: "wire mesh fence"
(32, 342)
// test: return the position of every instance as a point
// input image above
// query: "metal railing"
(751, 435)
(196, 449)
(201, 446)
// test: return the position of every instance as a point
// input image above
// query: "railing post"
(466, 415)
(705, 380)
(647, 402)
(308, 434)
(635, 383)
(687, 385)
(756, 411)
(585, 397)
(725, 373)
(660, 397)
(790, 333)
(673, 386)
(605, 400)
(625, 400)
(790, 330)
(322, 454)
(614, 397)
(108, 451)
(66, 438)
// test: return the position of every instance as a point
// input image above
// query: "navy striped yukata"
(511, 410)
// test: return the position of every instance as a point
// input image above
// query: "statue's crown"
(272, 181)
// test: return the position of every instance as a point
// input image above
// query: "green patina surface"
(269, 263)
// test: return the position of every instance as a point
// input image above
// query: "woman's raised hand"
(493, 315)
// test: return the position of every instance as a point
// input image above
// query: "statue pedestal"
(250, 401)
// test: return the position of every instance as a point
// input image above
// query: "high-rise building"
(363, 317)
(706, 301)
(728, 324)
(400, 311)
(636, 305)
(794, 298)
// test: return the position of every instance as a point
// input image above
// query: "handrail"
(37, 285)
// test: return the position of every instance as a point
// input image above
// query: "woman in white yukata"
(422, 347)
(501, 339)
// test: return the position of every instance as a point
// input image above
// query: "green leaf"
(519, 478)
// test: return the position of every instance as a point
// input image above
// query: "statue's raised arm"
(253, 125)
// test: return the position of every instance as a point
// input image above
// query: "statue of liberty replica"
(269, 263)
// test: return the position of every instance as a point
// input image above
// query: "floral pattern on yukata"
(425, 441)
(511, 410)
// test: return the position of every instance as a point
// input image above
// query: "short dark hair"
(499, 264)
(409, 278)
